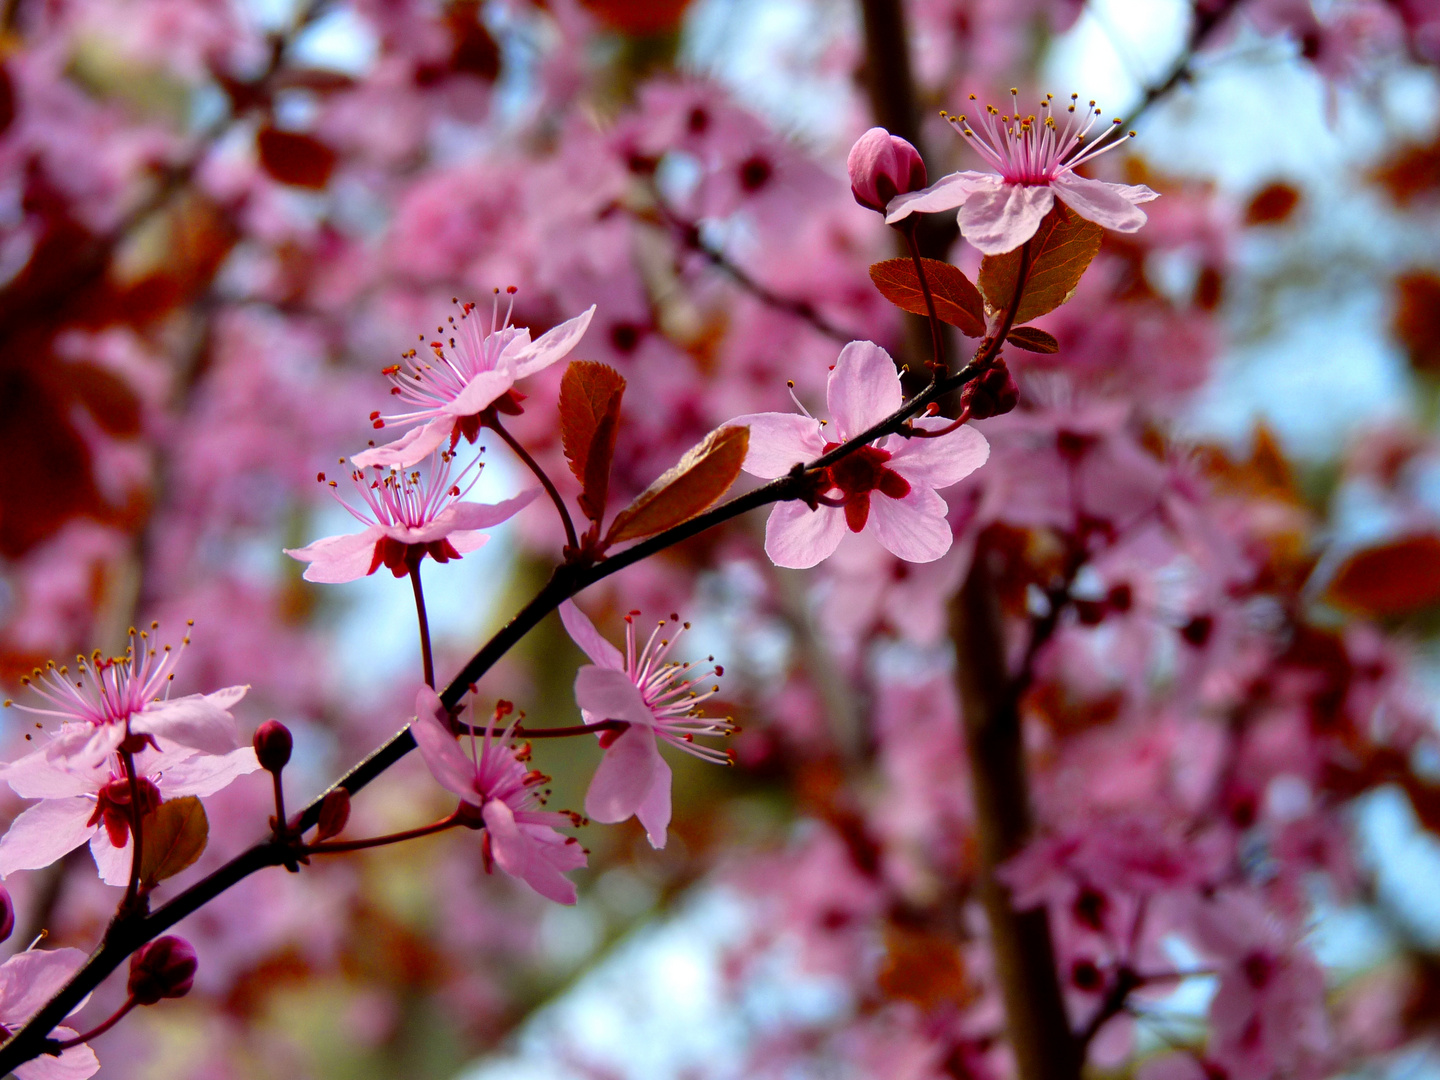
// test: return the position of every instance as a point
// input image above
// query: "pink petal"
(446, 761)
(582, 631)
(467, 516)
(552, 345)
(466, 542)
(913, 528)
(864, 388)
(654, 812)
(625, 776)
(947, 193)
(798, 537)
(610, 695)
(196, 721)
(112, 862)
(481, 391)
(84, 746)
(337, 559)
(207, 773)
(44, 833)
(35, 776)
(939, 462)
(1110, 205)
(76, 1063)
(778, 441)
(1004, 219)
(415, 445)
(30, 979)
(522, 854)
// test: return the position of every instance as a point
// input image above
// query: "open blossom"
(410, 515)
(657, 699)
(520, 837)
(104, 702)
(94, 803)
(1035, 159)
(889, 487)
(28, 981)
(469, 372)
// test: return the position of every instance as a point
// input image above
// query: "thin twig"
(492, 420)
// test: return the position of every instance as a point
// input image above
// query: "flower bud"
(7, 914)
(992, 394)
(273, 745)
(163, 968)
(334, 813)
(882, 166)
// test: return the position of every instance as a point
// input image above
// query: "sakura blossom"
(656, 698)
(95, 804)
(470, 370)
(407, 516)
(105, 704)
(520, 837)
(27, 982)
(1035, 161)
(889, 487)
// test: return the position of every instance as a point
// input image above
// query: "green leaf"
(1060, 250)
(172, 837)
(957, 301)
(1032, 339)
(691, 487)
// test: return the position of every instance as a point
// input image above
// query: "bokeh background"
(219, 219)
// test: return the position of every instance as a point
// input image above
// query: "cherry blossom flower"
(1036, 161)
(657, 699)
(94, 804)
(1268, 1016)
(28, 981)
(889, 486)
(409, 517)
(106, 702)
(519, 837)
(471, 371)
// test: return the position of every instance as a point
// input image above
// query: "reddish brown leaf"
(1272, 204)
(1417, 318)
(692, 486)
(638, 17)
(1391, 579)
(590, 395)
(923, 967)
(1411, 173)
(172, 838)
(957, 301)
(295, 158)
(1032, 339)
(334, 813)
(1060, 251)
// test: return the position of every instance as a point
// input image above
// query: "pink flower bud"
(882, 166)
(163, 968)
(7, 914)
(273, 745)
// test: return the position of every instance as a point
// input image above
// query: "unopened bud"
(334, 813)
(273, 744)
(163, 968)
(882, 166)
(7, 914)
(992, 394)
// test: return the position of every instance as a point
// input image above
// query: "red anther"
(320, 477)
(163, 968)
(375, 415)
(719, 669)
(511, 289)
(394, 369)
(378, 424)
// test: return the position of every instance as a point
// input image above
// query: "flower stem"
(336, 847)
(280, 827)
(937, 337)
(544, 733)
(94, 1032)
(492, 420)
(427, 659)
(132, 887)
